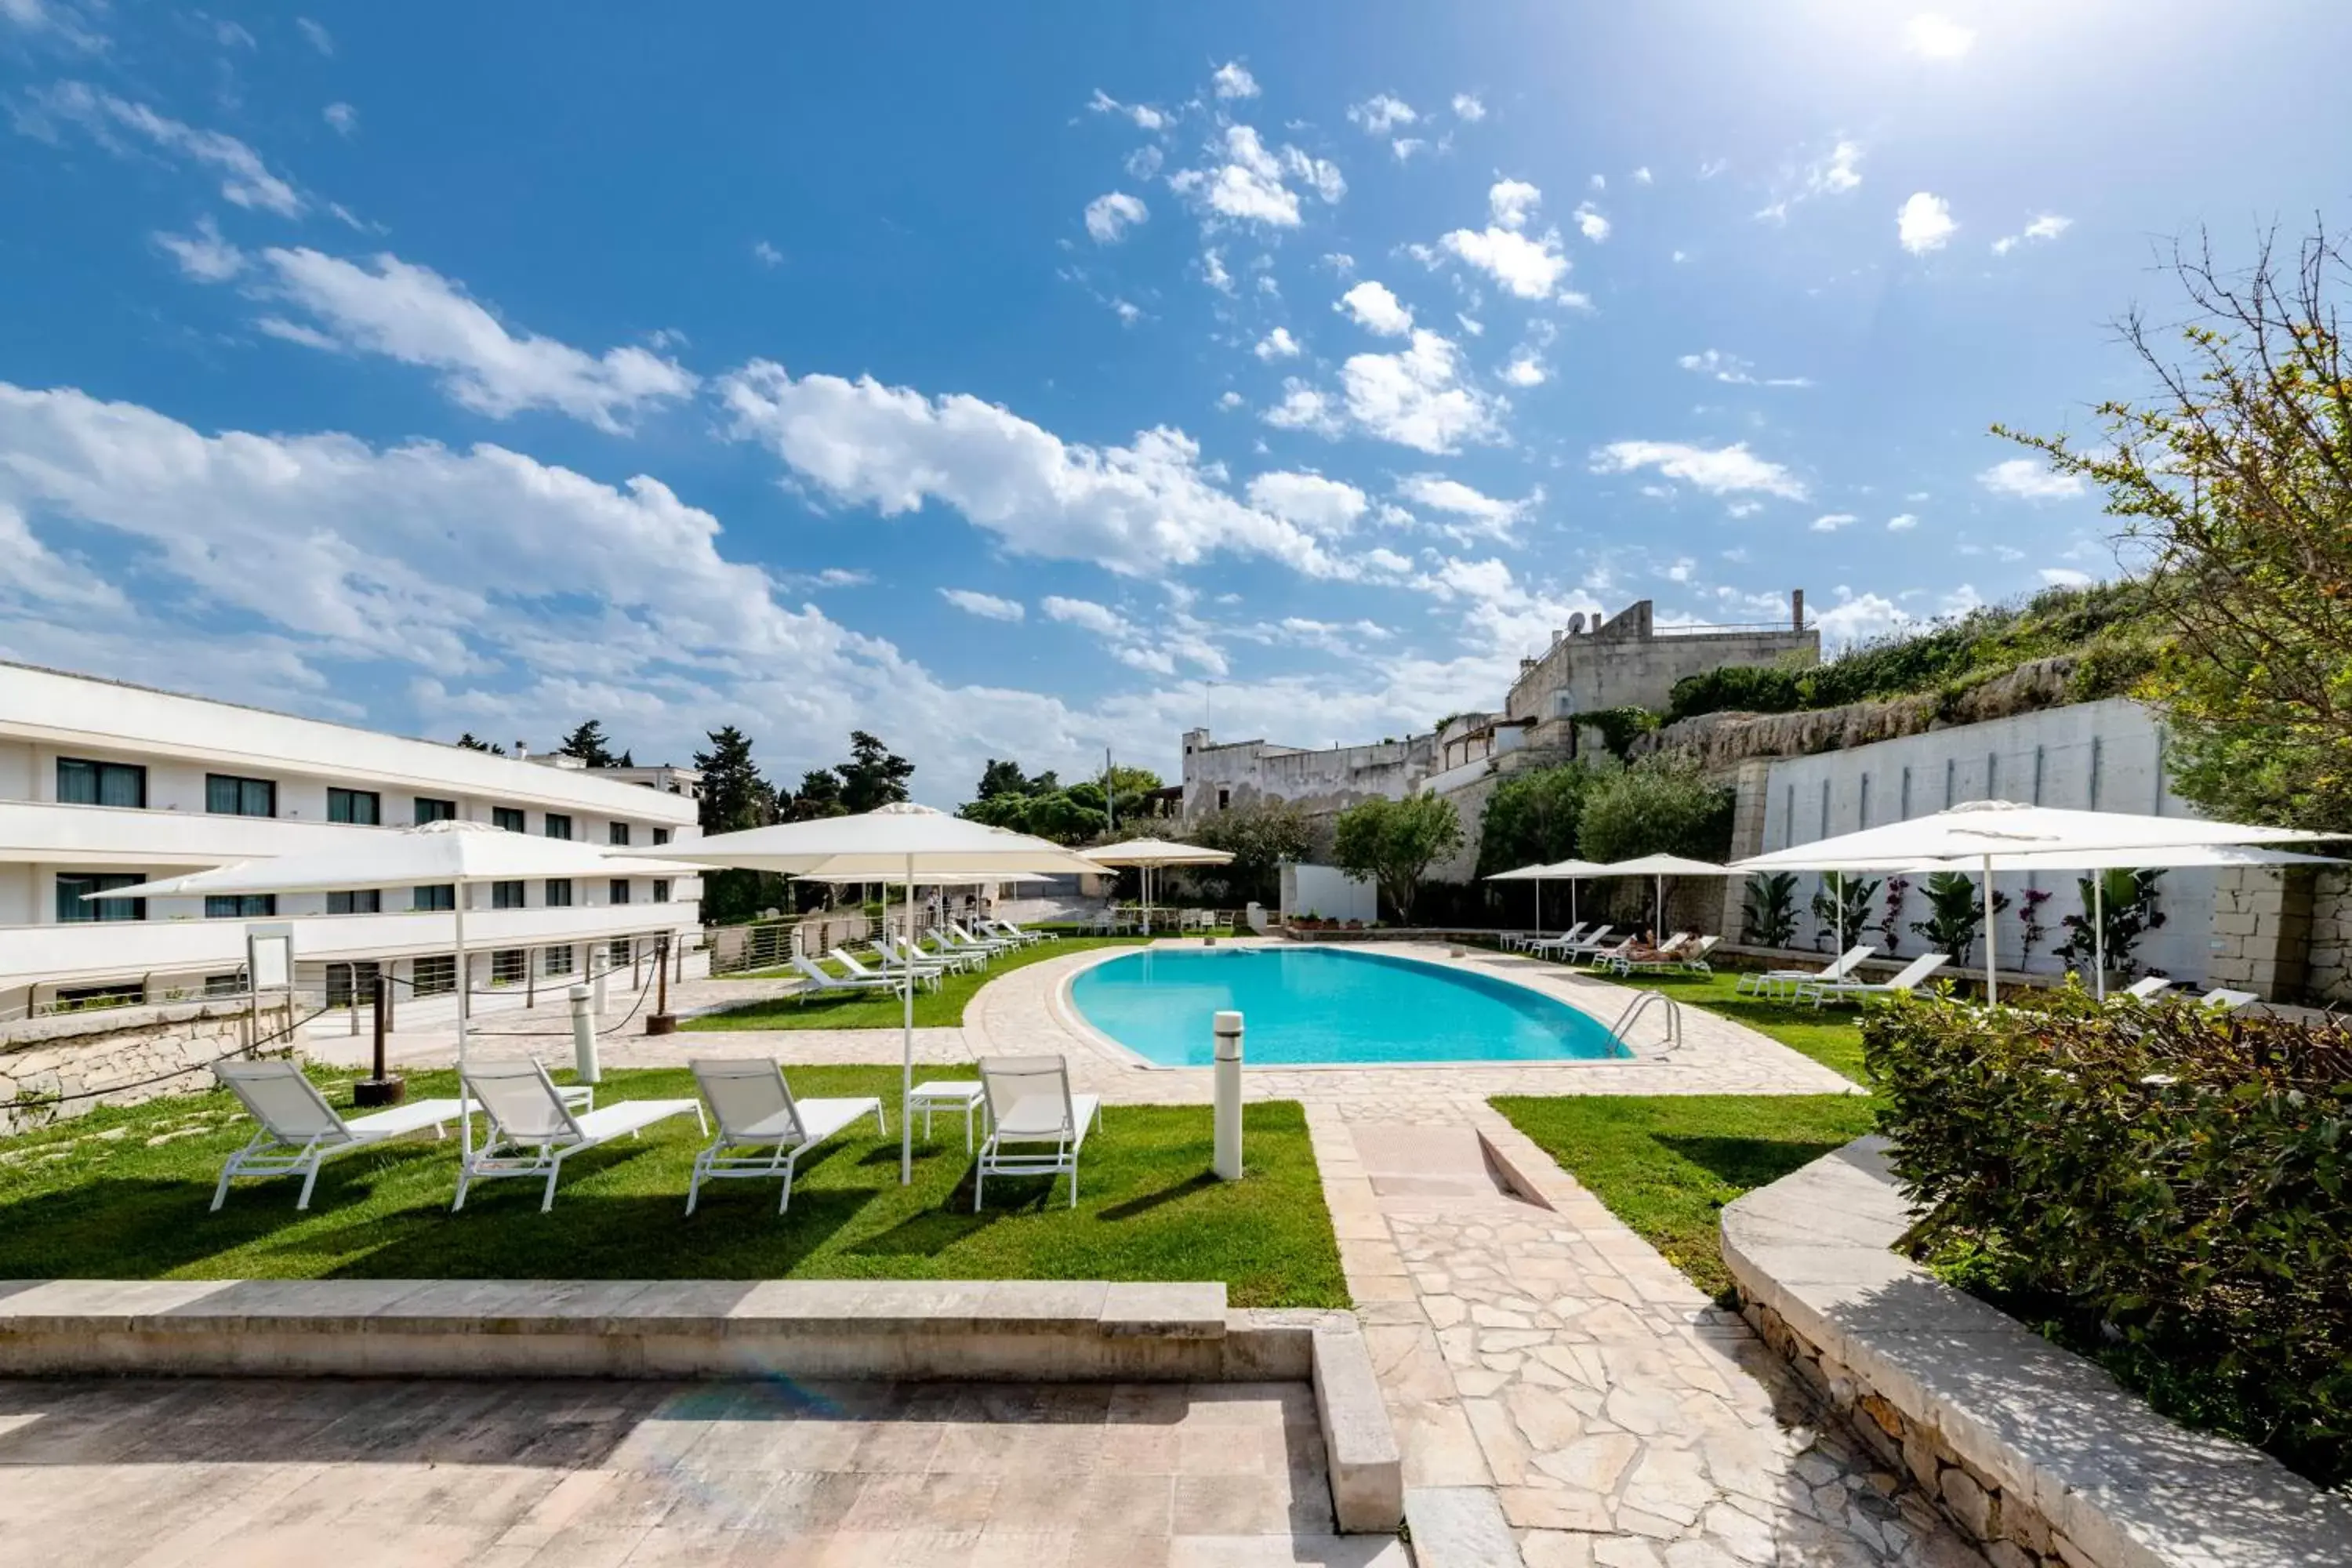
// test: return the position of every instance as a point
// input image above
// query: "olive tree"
(1395, 842)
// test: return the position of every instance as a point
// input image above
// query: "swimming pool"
(1328, 1006)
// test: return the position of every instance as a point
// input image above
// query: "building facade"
(104, 785)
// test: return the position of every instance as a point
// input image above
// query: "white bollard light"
(584, 1037)
(599, 984)
(1228, 1029)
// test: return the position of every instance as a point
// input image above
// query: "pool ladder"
(1634, 1011)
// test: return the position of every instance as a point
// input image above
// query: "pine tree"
(467, 743)
(734, 795)
(590, 745)
(874, 776)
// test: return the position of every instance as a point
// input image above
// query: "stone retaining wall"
(2328, 977)
(2034, 1453)
(64, 1064)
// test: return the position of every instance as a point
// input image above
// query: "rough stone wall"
(2262, 931)
(1751, 800)
(2328, 977)
(1624, 662)
(106, 1057)
(1319, 782)
(2001, 1519)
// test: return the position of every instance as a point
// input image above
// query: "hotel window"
(661, 835)
(240, 905)
(510, 966)
(661, 890)
(433, 976)
(228, 796)
(431, 810)
(559, 892)
(508, 819)
(73, 908)
(350, 984)
(620, 953)
(101, 783)
(506, 895)
(76, 998)
(558, 826)
(619, 893)
(229, 985)
(559, 961)
(618, 833)
(363, 901)
(441, 895)
(360, 807)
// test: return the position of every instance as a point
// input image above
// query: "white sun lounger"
(1670, 956)
(928, 974)
(763, 1130)
(819, 981)
(2148, 987)
(1529, 940)
(992, 943)
(2227, 1001)
(1030, 1106)
(533, 1131)
(1015, 932)
(300, 1131)
(1918, 970)
(1566, 948)
(897, 949)
(1764, 982)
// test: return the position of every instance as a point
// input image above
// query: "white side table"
(951, 1094)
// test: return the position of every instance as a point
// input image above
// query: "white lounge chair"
(1677, 949)
(1693, 960)
(819, 983)
(1023, 936)
(1599, 958)
(1765, 981)
(300, 1131)
(897, 949)
(974, 936)
(533, 1131)
(756, 1112)
(956, 937)
(1918, 970)
(2226, 1001)
(2148, 987)
(1566, 948)
(1030, 1105)
(928, 975)
(1529, 940)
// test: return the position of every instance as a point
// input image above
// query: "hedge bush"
(2160, 1186)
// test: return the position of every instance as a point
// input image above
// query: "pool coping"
(1066, 1012)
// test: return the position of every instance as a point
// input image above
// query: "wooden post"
(660, 1021)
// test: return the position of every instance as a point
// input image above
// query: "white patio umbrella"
(1660, 868)
(1150, 854)
(1981, 833)
(896, 842)
(1569, 871)
(433, 854)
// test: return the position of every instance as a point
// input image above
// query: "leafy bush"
(1768, 910)
(1955, 914)
(1619, 727)
(1259, 837)
(2167, 1188)
(1395, 842)
(1531, 818)
(1660, 805)
(2128, 912)
(1853, 918)
(1737, 689)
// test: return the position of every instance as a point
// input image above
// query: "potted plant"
(2127, 902)
(1954, 913)
(1767, 912)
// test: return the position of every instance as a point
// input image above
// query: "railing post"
(1228, 1166)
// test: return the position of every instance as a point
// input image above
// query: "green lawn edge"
(939, 1009)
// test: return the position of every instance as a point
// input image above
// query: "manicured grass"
(1830, 1036)
(942, 1008)
(1667, 1164)
(98, 1198)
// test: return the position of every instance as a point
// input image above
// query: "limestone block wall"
(2262, 931)
(108, 1057)
(2328, 975)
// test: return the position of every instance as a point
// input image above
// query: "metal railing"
(1640, 1004)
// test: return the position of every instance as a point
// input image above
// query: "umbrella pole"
(907, 1041)
(2099, 934)
(1657, 909)
(1840, 911)
(1992, 985)
(465, 1018)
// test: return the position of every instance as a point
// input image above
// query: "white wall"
(2096, 756)
(1327, 892)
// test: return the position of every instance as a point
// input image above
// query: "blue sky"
(1024, 380)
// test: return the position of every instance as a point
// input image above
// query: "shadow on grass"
(932, 1232)
(1746, 1163)
(1204, 1182)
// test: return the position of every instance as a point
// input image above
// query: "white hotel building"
(106, 784)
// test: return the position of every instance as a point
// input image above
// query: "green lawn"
(1830, 1036)
(942, 1008)
(101, 1198)
(1667, 1164)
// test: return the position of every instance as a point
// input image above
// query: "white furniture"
(897, 951)
(300, 1131)
(1015, 932)
(2227, 1001)
(1529, 942)
(818, 983)
(533, 1131)
(1037, 1125)
(1918, 970)
(763, 1130)
(1764, 982)
(948, 1094)
(985, 943)
(1670, 955)
(2148, 987)
(928, 974)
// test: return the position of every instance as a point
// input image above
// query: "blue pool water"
(1311, 1006)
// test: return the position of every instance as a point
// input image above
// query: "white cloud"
(1589, 222)
(61, 23)
(1835, 173)
(1212, 271)
(1641, 176)
(1719, 471)
(1233, 80)
(204, 255)
(1144, 115)
(2066, 577)
(2048, 225)
(1526, 369)
(417, 316)
(1481, 515)
(1471, 324)
(1230, 400)
(1277, 345)
(1924, 222)
(987, 606)
(1731, 369)
(1902, 522)
(320, 38)
(1376, 310)
(1416, 397)
(1339, 261)
(1112, 213)
(1144, 162)
(1830, 522)
(245, 179)
(2027, 478)
(1127, 311)
(1249, 185)
(1320, 506)
(1304, 407)
(766, 255)
(1512, 202)
(1530, 269)
(1469, 107)
(1937, 38)
(1854, 620)
(342, 117)
(1139, 509)
(1382, 113)
(1404, 147)
(1083, 614)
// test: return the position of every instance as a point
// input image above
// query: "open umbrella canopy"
(877, 844)
(429, 855)
(1525, 874)
(1156, 852)
(1661, 866)
(1976, 828)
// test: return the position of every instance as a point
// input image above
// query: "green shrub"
(1619, 727)
(1737, 689)
(1660, 805)
(2163, 1186)
(1768, 910)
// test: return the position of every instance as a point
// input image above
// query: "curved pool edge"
(1066, 1011)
